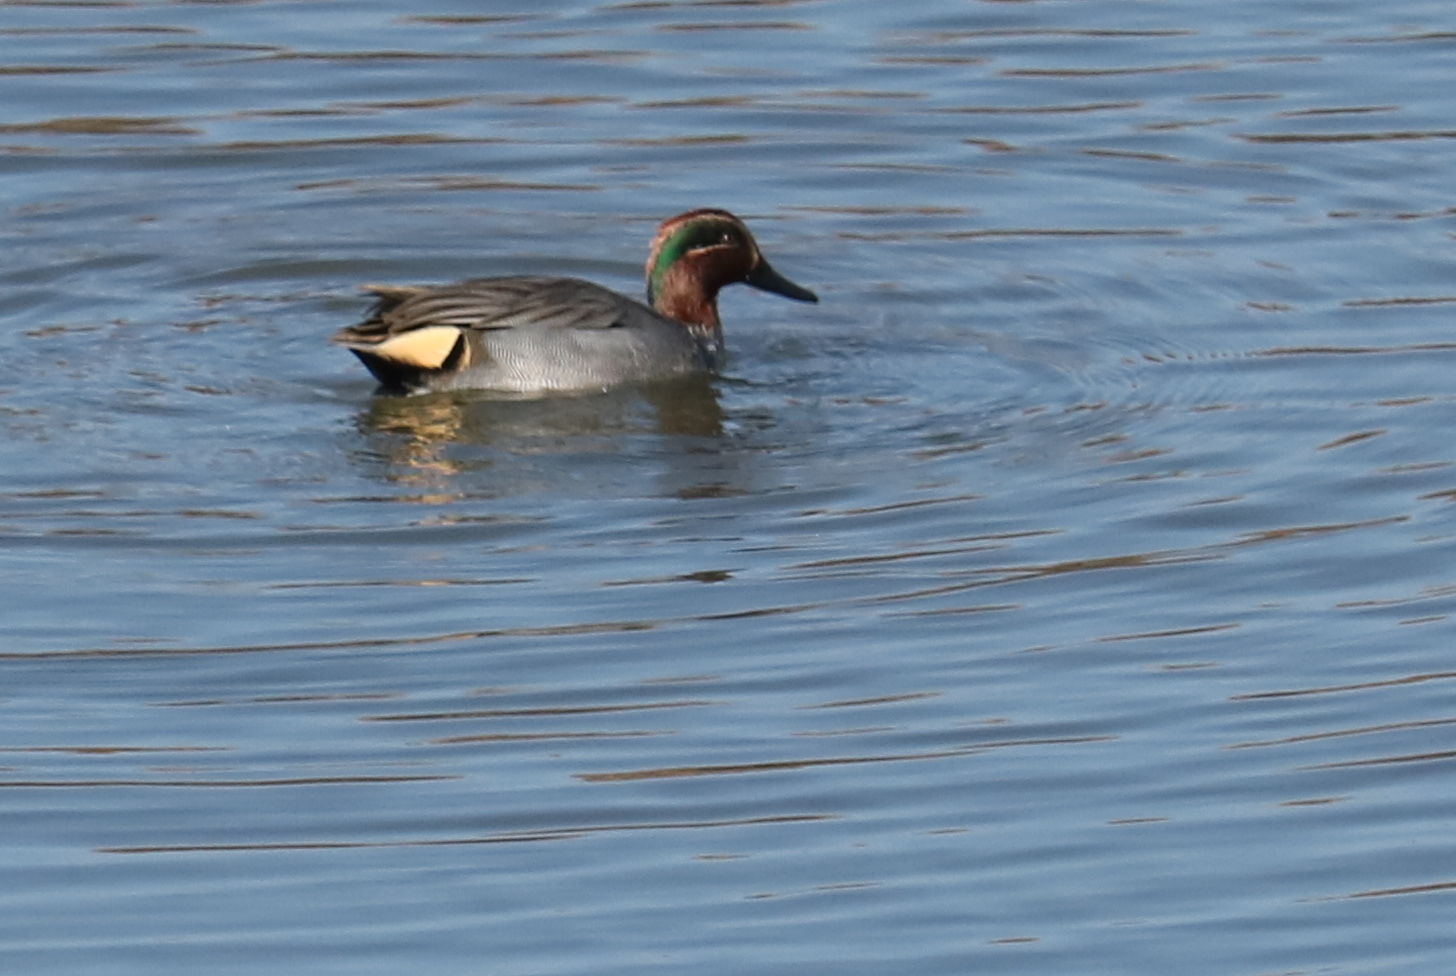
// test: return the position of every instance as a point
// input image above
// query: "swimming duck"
(554, 335)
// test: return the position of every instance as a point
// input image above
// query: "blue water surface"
(1066, 592)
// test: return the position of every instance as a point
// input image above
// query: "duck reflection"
(434, 434)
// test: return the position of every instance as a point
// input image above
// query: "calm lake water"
(1068, 592)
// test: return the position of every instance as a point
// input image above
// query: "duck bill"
(766, 278)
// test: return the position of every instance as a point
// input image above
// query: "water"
(1064, 593)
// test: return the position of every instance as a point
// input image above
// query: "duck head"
(694, 255)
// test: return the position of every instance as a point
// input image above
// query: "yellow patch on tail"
(426, 348)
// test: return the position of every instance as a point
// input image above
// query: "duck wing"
(489, 305)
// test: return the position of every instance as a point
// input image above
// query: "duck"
(538, 336)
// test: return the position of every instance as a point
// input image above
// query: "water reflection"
(425, 433)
